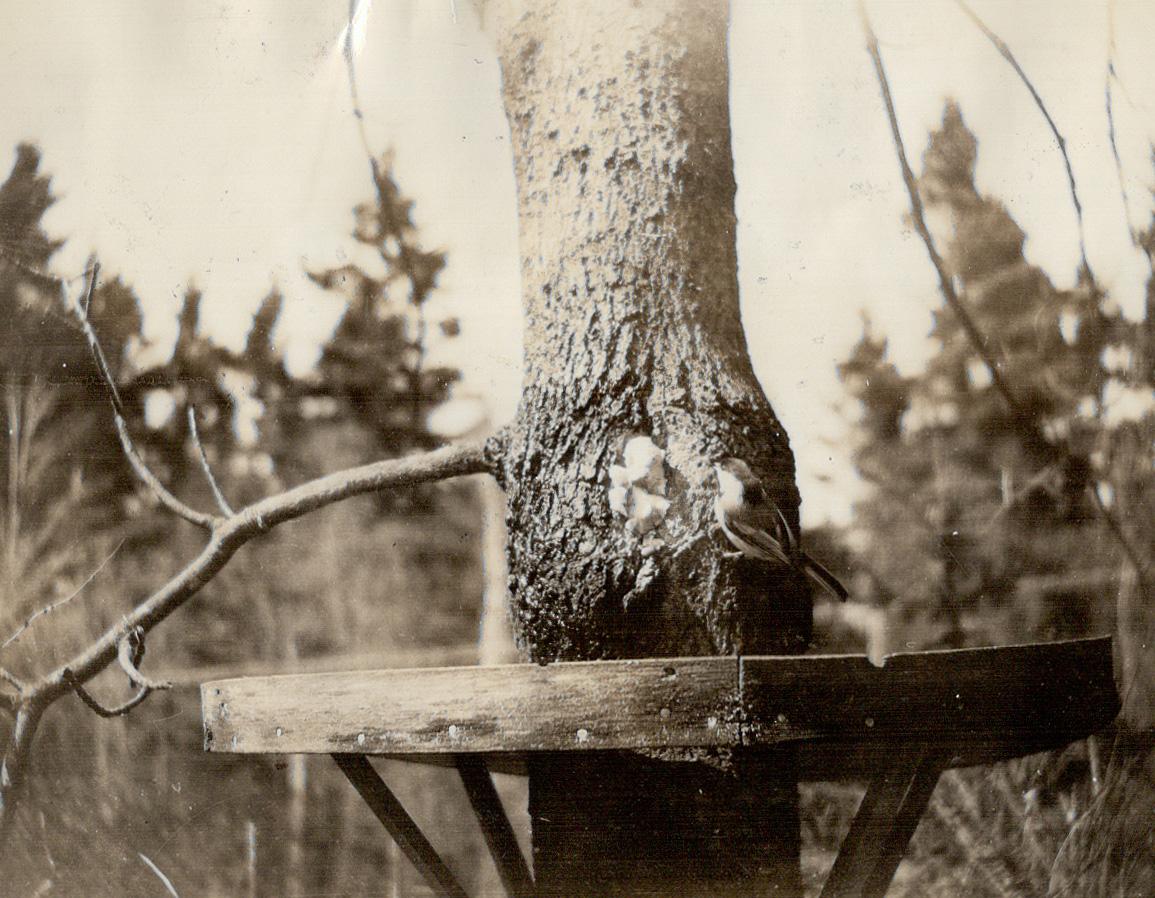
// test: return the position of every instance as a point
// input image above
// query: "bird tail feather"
(824, 578)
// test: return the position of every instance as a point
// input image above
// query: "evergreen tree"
(64, 476)
(376, 362)
(971, 496)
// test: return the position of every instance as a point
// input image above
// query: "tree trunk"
(619, 118)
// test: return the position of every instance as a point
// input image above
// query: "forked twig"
(142, 470)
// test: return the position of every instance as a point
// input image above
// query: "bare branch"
(148, 478)
(218, 494)
(11, 680)
(94, 343)
(247, 524)
(10, 702)
(129, 653)
(48, 609)
(166, 498)
(946, 285)
(1111, 79)
(16, 758)
(116, 710)
(1005, 51)
(1115, 151)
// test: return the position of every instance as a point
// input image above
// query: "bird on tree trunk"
(755, 525)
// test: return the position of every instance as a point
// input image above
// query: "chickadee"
(755, 525)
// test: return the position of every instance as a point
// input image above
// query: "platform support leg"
(399, 824)
(882, 828)
(495, 826)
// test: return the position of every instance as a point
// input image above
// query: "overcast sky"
(213, 142)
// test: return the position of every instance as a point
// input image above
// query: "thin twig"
(1115, 153)
(1005, 51)
(160, 875)
(166, 498)
(357, 8)
(10, 702)
(94, 343)
(218, 494)
(148, 478)
(48, 609)
(1110, 80)
(61, 283)
(11, 679)
(115, 711)
(946, 285)
(129, 653)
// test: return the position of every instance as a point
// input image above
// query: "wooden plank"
(400, 826)
(1039, 694)
(984, 703)
(495, 826)
(509, 708)
(833, 760)
(887, 818)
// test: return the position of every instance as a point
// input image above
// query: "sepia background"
(319, 312)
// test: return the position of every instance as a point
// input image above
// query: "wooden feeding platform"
(898, 726)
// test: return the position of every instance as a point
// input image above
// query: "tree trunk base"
(626, 826)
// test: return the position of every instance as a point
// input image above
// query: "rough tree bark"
(619, 114)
